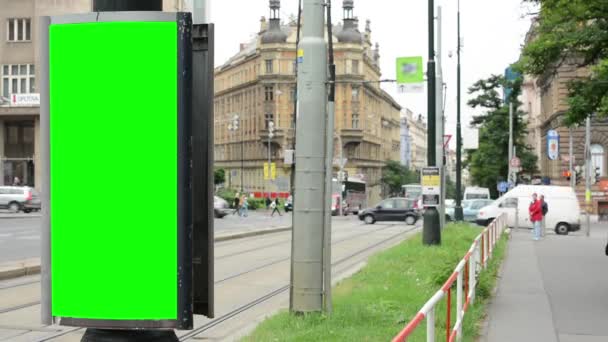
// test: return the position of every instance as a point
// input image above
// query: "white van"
(474, 192)
(563, 214)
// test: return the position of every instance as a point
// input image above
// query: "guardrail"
(465, 276)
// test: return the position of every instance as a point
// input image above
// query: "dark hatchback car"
(391, 209)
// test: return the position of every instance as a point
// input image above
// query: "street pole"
(588, 174)
(307, 292)
(570, 161)
(510, 172)
(341, 180)
(458, 214)
(439, 123)
(431, 233)
(329, 166)
(242, 159)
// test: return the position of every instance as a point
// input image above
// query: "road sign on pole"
(410, 75)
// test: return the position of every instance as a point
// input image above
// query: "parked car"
(563, 214)
(221, 207)
(17, 198)
(391, 209)
(470, 209)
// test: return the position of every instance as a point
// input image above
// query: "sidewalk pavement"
(555, 289)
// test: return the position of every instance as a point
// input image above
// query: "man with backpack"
(536, 216)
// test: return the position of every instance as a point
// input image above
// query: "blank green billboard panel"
(114, 170)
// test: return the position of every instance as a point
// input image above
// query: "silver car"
(16, 198)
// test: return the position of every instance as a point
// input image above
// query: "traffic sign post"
(92, 274)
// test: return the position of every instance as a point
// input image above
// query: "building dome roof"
(349, 33)
(274, 34)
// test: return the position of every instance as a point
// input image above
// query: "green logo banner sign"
(410, 74)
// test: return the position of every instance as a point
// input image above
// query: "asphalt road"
(246, 271)
(20, 237)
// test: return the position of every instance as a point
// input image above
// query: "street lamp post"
(233, 126)
(458, 214)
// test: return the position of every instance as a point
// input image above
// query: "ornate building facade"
(258, 86)
(545, 100)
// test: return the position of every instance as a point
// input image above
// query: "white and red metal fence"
(465, 275)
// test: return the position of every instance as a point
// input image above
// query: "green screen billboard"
(116, 124)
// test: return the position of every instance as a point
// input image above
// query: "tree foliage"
(219, 176)
(394, 175)
(572, 32)
(489, 163)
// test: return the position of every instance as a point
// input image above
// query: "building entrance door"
(18, 171)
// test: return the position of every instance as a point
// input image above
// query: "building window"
(269, 93)
(355, 66)
(269, 66)
(355, 94)
(18, 79)
(269, 117)
(355, 120)
(19, 30)
(597, 160)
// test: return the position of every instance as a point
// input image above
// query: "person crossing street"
(275, 207)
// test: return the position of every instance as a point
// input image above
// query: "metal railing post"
(459, 304)
(430, 325)
(448, 322)
(472, 268)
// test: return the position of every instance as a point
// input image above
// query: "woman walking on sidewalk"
(536, 216)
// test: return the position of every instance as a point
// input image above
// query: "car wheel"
(562, 228)
(14, 207)
(369, 219)
(27, 211)
(410, 220)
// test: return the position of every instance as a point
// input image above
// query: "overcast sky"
(492, 30)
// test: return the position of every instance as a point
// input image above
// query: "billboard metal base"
(102, 335)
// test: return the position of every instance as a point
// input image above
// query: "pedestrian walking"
(237, 204)
(545, 210)
(536, 216)
(275, 207)
(244, 207)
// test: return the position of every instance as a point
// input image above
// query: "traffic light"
(567, 174)
(597, 175)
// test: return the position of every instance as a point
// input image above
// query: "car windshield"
(477, 196)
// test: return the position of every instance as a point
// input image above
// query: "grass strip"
(377, 302)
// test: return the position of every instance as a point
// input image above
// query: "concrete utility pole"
(588, 174)
(440, 124)
(329, 165)
(431, 233)
(458, 210)
(309, 229)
